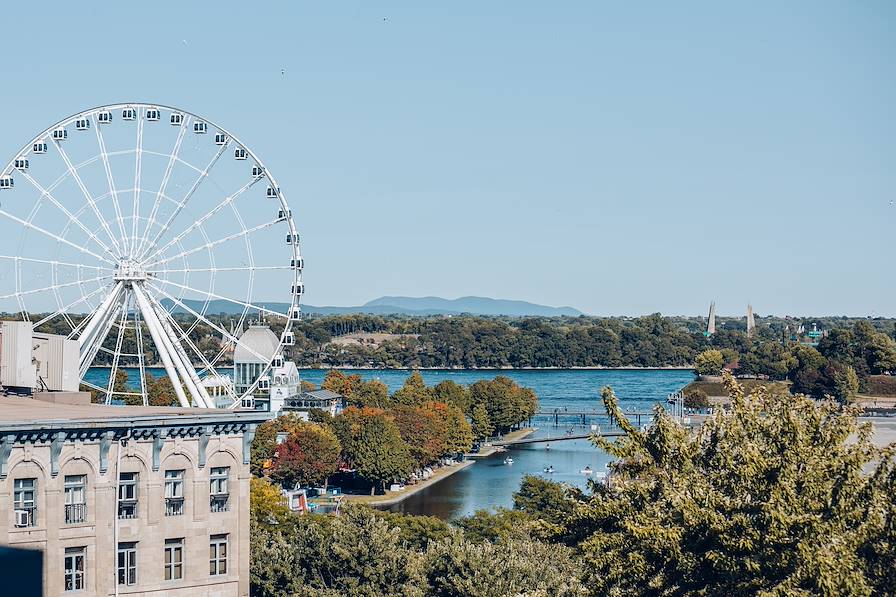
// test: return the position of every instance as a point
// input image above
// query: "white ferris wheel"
(151, 236)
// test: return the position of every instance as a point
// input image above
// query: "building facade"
(128, 500)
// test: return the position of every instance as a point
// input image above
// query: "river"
(489, 483)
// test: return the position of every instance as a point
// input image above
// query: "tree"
(452, 393)
(781, 496)
(546, 500)
(424, 429)
(709, 362)
(507, 403)
(696, 398)
(372, 393)
(846, 384)
(414, 391)
(160, 391)
(267, 505)
(372, 444)
(481, 425)
(307, 457)
(264, 445)
(460, 433)
(458, 568)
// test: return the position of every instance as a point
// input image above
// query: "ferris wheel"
(152, 237)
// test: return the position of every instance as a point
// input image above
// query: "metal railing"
(75, 513)
(174, 506)
(127, 509)
(220, 502)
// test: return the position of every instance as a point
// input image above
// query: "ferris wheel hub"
(130, 270)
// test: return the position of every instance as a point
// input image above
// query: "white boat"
(549, 469)
(586, 471)
(508, 460)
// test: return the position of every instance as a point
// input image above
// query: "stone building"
(148, 500)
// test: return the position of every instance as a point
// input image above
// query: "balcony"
(75, 513)
(220, 502)
(174, 506)
(127, 509)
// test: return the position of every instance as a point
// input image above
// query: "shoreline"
(438, 475)
(367, 368)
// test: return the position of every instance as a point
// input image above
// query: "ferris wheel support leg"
(202, 397)
(152, 322)
(92, 336)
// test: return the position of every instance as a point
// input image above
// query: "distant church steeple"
(711, 325)
(751, 323)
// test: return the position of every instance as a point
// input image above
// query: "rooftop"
(26, 413)
(321, 395)
(257, 340)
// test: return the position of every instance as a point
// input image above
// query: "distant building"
(257, 347)
(128, 500)
(711, 323)
(283, 381)
(324, 400)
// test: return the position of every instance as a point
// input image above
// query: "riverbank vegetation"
(780, 495)
(380, 438)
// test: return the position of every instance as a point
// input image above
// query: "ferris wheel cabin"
(128, 114)
(21, 164)
(220, 138)
(298, 264)
(177, 118)
(60, 134)
(82, 124)
(257, 171)
(104, 117)
(6, 182)
(152, 115)
(239, 153)
(200, 128)
(39, 147)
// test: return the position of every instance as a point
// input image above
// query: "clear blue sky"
(622, 159)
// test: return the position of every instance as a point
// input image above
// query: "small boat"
(508, 460)
(549, 469)
(586, 471)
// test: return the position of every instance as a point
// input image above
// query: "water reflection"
(490, 483)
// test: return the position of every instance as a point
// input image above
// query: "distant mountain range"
(404, 305)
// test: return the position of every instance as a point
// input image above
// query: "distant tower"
(711, 325)
(751, 323)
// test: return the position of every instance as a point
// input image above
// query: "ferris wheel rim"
(111, 288)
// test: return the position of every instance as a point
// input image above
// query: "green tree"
(709, 362)
(481, 425)
(846, 384)
(372, 393)
(460, 433)
(781, 496)
(414, 391)
(457, 568)
(452, 393)
(424, 429)
(696, 398)
(372, 444)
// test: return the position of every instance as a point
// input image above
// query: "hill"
(402, 305)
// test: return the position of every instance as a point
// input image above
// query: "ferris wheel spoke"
(207, 321)
(138, 173)
(64, 309)
(111, 180)
(37, 228)
(49, 288)
(217, 242)
(245, 268)
(184, 336)
(141, 364)
(207, 293)
(91, 235)
(54, 262)
(90, 200)
(199, 180)
(152, 312)
(97, 330)
(118, 341)
(172, 159)
(223, 204)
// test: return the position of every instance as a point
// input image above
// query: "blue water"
(489, 483)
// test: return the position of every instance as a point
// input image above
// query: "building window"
(217, 555)
(174, 559)
(127, 495)
(127, 563)
(74, 568)
(174, 493)
(75, 499)
(218, 490)
(24, 492)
